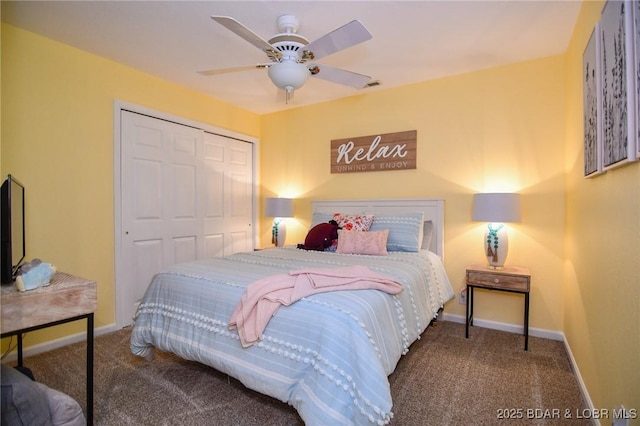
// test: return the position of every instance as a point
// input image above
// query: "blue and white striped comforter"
(328, 355)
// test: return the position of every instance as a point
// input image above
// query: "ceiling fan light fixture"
(288, 75)
(288, 51)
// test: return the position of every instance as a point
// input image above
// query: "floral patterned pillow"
(358, 242)
(354, 222)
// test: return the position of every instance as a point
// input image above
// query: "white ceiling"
(412, 41)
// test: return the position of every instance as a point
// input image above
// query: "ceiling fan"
(290, 53)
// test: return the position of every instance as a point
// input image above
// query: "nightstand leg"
(469, 316)
(526, 321)
(471, 292)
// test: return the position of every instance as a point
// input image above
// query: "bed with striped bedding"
(328, 355)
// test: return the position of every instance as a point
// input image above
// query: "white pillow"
(427, 234)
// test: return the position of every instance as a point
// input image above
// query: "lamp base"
(279, 232)
(495, 268)
(496, 245)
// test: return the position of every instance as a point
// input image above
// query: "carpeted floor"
(445, 379)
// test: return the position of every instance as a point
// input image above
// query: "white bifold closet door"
(186, 194)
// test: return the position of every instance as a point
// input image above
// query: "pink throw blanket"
(263, 297)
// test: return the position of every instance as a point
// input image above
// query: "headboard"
(432, 208)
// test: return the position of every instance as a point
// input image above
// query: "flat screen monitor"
(12, 228)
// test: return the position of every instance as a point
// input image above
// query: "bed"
(329, 354)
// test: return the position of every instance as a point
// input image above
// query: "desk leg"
(90, 369)
(19, 349)
(526, 321)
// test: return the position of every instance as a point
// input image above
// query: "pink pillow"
(354, 222)
(358, 242)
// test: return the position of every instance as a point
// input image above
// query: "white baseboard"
(510, 328)
(583, 387)
(57, 343)
(536, 332)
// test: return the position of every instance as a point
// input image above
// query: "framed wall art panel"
(592, 107)
(619, 137)
(636, 69)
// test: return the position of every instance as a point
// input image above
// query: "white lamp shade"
(279, 207)
(496, 207)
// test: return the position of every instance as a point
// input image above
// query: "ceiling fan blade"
(346, 36)
(244, 32)
(234, 69)
(340, 76)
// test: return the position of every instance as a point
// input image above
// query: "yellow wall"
(57, 139)
(516, 128)
(602, 266)
(495, 130)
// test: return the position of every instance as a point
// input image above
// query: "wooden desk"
(513, 279)
(67, 298)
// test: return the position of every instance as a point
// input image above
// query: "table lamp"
(279, 209)
(496, 208)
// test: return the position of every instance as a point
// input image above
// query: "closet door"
(229, 191)
(181, 196)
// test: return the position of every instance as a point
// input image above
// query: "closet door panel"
(229, 195)
(159, 202)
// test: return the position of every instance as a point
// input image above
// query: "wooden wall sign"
(390, 151)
